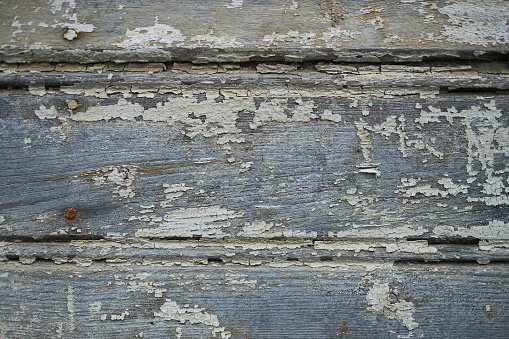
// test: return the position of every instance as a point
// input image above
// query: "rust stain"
(157, 168)
(139, 168)
(72, 104)
(70, 213)
(106, 169)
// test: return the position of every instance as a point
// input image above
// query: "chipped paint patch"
(46, 113)
(383, 300)
(487, 143)
(495, 230)
(163, 35)
(158, 35)
(170, 310)
(264, 229)
(194, 221)
(206, 118)
(390, 246)
(409, 188)
(474, 25)
(120, 176)
(235, 4)
(379, 232)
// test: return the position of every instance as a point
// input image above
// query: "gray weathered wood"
(240, 169)
(126, 31)
(289, 176)
(106, 301)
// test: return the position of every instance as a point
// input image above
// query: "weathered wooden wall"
(235, 169)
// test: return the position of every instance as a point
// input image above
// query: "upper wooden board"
(87, 31)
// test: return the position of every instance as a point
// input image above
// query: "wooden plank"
(128, 31)
(275, 169)
(207, 161)
(104, 301)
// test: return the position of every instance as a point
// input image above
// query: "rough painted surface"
(235, 169)
(93, 30)
(208, 163)
(208, 301)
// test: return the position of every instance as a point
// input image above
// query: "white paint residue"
(70, 307)
(235, 4)
(46, 113)
(383, 300)
(173, 192)
(120, 176)
(290, 37)
(239, 279)
(372, 170)
(391, 246)
(380, 231)
(2, 219)
(138, 282)
(210, 40)
(409, 188)
(245, 166)
(188, 222)
(37, 89)
(207, 118)
(170, 310)
(328, 115)
(95, 306)
(120, 316)
(335, 36)
(75, 27)
(263, 229)
(476, 25)
(158, 35)
(487, 141)
(495, 230)
(56, 5)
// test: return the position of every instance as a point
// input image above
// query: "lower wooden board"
(45, 300)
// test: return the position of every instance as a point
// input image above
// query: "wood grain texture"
(254, 169)
(210, 164)
(97, 31)
(106, 301)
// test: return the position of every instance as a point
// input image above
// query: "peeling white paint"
(473, 24)
(487, 139)
(409, 188)
(232, 278)
(120, 176)
(163, 35)
(494, 230)
(71, 307)
(120, 316)
(264, 229)
(235, 4)
(46, 113)
(173, 192)
(170, 310)
(210, 40)
(380, 231)
(390, 246)
(383, 300)
(158, 35)
(328, 115)
(207, 118)
(37, 89)
(95, 306)
(188, 222)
